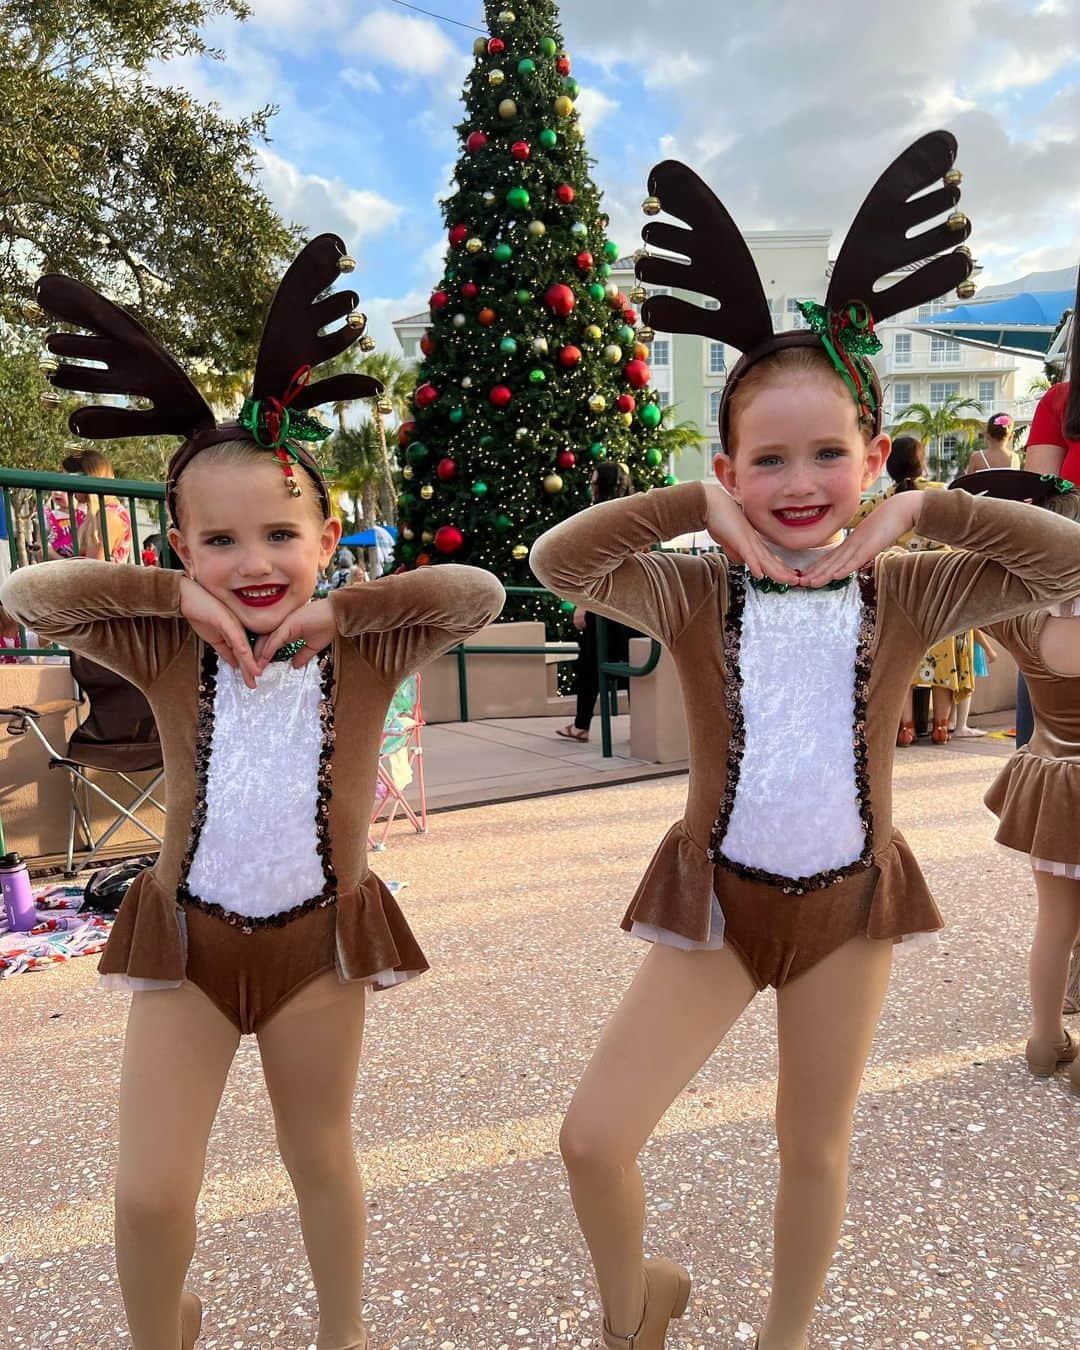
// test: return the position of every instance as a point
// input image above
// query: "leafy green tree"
(932, 424)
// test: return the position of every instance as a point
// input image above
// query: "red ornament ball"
(405, 432)
(439, 300)
(424, 560)
(475, 142)
(569, 356)
(458, 235)
(625, 403)
(585, 260)
(559, 299)
(566, 459)
(500, 396)
(562, 65)
(496, 46)
(427, 344)
(446, 470)
(470, 290)
(486, 316)
(565, 193)
(637, 374)
(426, 395)
(520, 150)
(448, 539)
(630, 315)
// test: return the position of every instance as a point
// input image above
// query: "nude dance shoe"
(190, 1319)
(667, 1292)
(1044, 1060)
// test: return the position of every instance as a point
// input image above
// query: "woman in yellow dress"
(948, 668)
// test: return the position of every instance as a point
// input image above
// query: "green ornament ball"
(548, 46)
(417, 452)
(626, 334)
(523, 297)
(517, 198)
(611, 250)
(548, 139)
(502, 253)
(598, 449)
(649, 414)
(406, 501)
(503, 522)
(604, 270)
(457, 416)
(596, 291)
(486, 442)
(653, 456)
(670, 480)
(479, 489)
(408, 552)
(527, 66)
(571, 86)
(567, 606)
(508, 346)
(537, 376)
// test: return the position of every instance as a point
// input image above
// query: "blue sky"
(790, 111)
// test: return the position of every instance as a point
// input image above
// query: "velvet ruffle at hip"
(1037, 802)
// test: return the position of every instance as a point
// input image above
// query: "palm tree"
(674, 437)
(399, 382)
(932, 423)
(357, 462)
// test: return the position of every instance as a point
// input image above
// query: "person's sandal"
(572, 733)
(906, 734)
(1044, 1060)
(667, 1292)
(940, 733)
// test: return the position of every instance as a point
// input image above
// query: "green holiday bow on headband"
(273, 425)
(1061, 485)
(848, 336)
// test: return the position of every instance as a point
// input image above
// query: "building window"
(901, 397)
(797, 320)
(663, 398)
(715, 395)
(717, 365)
(775, 313)
(987, 394)
(932, 310)
(944, 351)
(715, 448)
(940, 390)
(902, 349)
(660, 353)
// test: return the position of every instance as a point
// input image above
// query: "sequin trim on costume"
(203, 744)
(733, 684)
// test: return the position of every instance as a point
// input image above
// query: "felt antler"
(293, 338)
(880, 240)
(719, 264)
(134, 364)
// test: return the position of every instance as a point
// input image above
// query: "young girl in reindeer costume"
(795, 652)
(260, 914)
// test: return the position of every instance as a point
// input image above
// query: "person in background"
(87, 523)
(998, 453)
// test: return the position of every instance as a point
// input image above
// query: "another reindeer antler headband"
(878, 243)
(293, 344)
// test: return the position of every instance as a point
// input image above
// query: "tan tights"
(177, 1054)
(676, 1012)
(1056, 930)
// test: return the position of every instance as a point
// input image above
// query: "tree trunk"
(370, 504)
(387, 491)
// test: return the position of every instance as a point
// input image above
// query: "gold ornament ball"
(508, 110)
(640, 351)
(427, 537)
(593, 333)
(427, 492)
(646, 334)
(384, 405)
(578, 130)
(627, 419)
(406, 532)
(537, 229)
(488, 198)
(407, 472)
(957, 221)
(480, 47)
(639, 295)
(473, 245)
(356, 320)
(553, 483)
(597, 403)
(495, 78)
(507, 16)
(540, 345)
(346, 263)
(519, 553)
(966, 290)
(613, 354)
(367, 344)
(954, 178)
(564, 106)
(651, 206)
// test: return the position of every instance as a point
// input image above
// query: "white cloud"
(363, 81)
(672, 68)
(593, 106)
(410, 44)
(324, 204)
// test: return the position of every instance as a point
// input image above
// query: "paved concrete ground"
(964, 1221)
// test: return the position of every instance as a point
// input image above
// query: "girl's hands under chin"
(214, 622)
(878, 531)
(314, 622)
(726, 524)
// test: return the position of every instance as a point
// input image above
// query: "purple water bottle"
(19, 907)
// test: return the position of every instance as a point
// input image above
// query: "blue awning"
(1021, 325)
(368, 538)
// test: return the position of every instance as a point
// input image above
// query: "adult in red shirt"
(1053, 443)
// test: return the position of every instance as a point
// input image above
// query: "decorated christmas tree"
(534, 368)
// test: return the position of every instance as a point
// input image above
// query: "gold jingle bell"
(407, 472)
(47, 366)
(384, 406)
(963, 248)
(957, 221)
(427, 492)
(966, 289)
(51, 399)
(646, 334)
(367, 344)
(953, 178)
(651, 206)
(639, 295)
(346, 263)
(519, 553)
(32, 312)
(641, 253)
(356, 319)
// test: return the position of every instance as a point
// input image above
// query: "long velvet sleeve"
(1009, 557)
(402, 622)
(597, 559)
(126, 618)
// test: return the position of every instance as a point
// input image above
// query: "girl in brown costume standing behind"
(795, 654)
(260, 915)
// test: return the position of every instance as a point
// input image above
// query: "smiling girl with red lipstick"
(261, 914)
(795, 649)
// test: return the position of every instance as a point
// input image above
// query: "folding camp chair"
(118, 736)
(401, 758)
